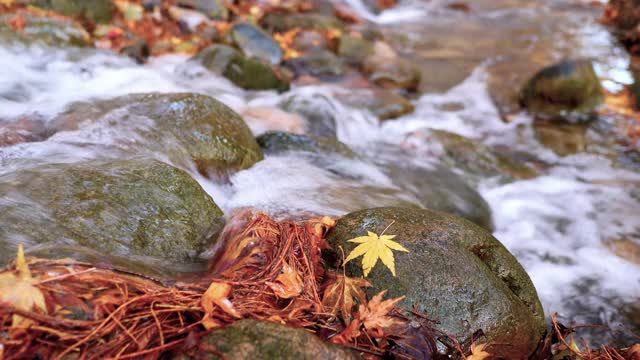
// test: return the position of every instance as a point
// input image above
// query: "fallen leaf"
(634, 352)
(131, 11)
(7, 2)
(20, 291)
(288, 284)
(375, 247)
(478, 352)
(346, 336)
(339, 296)
(374, 315)
(217, 295)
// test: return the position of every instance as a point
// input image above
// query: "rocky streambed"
(488, 135)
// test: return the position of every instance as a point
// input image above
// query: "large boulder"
(42, 29)
(264, 340)
(127, 209)
(568, 91)
(245, 72)
(454, 271)
(213, 136)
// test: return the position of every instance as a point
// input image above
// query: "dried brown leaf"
(340, 296)
(288, 283)
(374, 315)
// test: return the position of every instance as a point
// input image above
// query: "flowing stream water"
(557, 224)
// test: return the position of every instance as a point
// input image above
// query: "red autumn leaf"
(374, 315)
(288, 284)
(339, 296)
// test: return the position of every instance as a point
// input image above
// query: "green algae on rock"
(568, 91)
(215, 137)
(120, 208)
(275, 142)
(264, 340)
(455, 271)
(247, 73)
(44, 30)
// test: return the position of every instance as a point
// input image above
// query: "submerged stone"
(247, 73)
(275, 142)
(455, 272)
(318, 112)
(569, 91)
(127, 209)
(258, 339)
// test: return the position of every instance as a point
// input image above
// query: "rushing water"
(557, 224)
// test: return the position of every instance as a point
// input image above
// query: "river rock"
(568, 91)
(562, 139)
(255, 43)
(128, 209)
(214, 9)
(354, 49)
(94, 11)
(456, 273)
(309, 39)
(318, 111)
(387, 69)
(311, 21)
(319, 63)
(247, 73)
(266, 118)
(264, 340)
(45, 30)
(277, 142)
(384, 104)
(213, 136)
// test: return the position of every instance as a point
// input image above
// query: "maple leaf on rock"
(375, 247)
(478, 352)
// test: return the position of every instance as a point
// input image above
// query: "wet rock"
(456, 273)
(385, 68)
(377, 6)
(255, 43)
(309, 39)
(475, 158)
(27, 128)
(354, 49)
(247, 73)
(51, 31)
(138, 51)
(382, 103)
(213, 135)
(318, 112)
(214, 9)
(319, 63)
(310, 21)
(263, 118)
(568, 91)
(277, 142)
(93, 11)
(129, 209)
(256, 339)
(189, 20)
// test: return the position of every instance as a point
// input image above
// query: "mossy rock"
(44, 30)
(455, 271)
(319, 63)
(475, 158)
(264, 340)
(215, 137)
(122, 208)
(314, 21)
(247, 73)
(354, 49)
(277, 142)
(94, 11)
(568, 91)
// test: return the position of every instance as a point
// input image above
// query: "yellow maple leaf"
(20, 291)
(478, 352)
(375, 247)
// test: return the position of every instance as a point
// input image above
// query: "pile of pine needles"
(262, 269)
